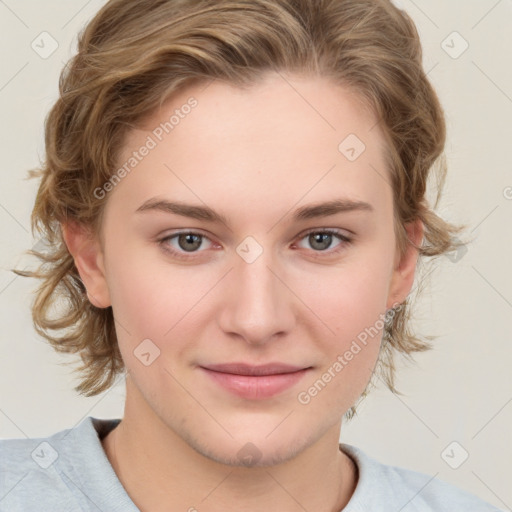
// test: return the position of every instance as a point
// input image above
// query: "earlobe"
(88, 256)
(403, 274)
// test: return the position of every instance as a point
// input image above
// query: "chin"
(256, 446)
(250, 455)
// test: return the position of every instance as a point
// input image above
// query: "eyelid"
(343, 238)
(333, 231)
(192, 231)
(336, 232)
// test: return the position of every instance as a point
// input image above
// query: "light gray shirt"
(70, 472)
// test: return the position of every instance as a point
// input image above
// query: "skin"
(255, 156)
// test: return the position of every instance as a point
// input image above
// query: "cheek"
(154, 299)
(352, 303)
(353, 308)
(352, 298)
(143, 301)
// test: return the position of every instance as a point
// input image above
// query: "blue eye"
(321, 240)
(189, 242)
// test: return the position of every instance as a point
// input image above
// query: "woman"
(234, 192)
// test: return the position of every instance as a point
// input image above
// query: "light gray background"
(459, 392)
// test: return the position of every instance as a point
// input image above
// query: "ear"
(88, 256)
(402, 277)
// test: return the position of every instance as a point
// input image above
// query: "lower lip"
(256, 387)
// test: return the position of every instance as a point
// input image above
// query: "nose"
(258, 303)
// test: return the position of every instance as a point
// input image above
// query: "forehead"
(281, 140)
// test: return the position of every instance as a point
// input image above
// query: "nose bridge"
(258, 304)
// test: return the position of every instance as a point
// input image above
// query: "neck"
(161, 471)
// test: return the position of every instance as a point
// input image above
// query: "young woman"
(234, 195)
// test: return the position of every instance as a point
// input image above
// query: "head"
(254, 110)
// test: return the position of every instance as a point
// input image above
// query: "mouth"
(255, 382)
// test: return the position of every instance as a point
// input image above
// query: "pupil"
(190, 239)
(318, 238)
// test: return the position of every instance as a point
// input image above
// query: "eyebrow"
(205, 213)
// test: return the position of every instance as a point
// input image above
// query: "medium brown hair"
(135, 54)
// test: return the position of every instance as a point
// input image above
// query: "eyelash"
(319, 254)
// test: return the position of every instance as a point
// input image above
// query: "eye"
(186, 242)
(321, 240)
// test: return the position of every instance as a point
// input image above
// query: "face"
(272, 280)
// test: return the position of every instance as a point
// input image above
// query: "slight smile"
(255, 382)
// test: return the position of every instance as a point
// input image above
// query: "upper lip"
(248, 369)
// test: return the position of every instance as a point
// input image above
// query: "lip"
(255, 382)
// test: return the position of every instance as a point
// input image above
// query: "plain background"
(459, 392)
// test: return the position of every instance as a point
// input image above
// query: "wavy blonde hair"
(133, 55)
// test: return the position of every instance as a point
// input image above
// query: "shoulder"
(47, 473)
(383, 487)
(27, 473)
